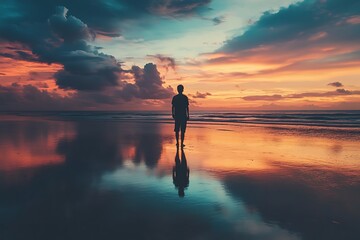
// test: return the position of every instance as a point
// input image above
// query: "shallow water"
(104, 179)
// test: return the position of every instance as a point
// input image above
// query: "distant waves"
(333, 119)
(349, 119)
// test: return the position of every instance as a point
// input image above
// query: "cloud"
(168, 62)
(147, 85)
(274, 97)
(63, 40)
(69, 28)
(277, 97)
(84, 67)
(174, 7)
(88, 71)
(25, 97)
(306, 35)
(42, 85)
(336, 84)
(200, 95)
(17, 54)
(218, 20)
(106, 17)
(18, 97)
(300, 21)
(353, 19)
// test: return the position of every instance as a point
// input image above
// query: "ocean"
(329, 119)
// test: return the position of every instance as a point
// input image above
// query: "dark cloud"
(336, 84)
(84, 67)
(201, 95)
(218, 20)
(277, 97)
(306, 35)
(64, 40)
(17, 97)
(344, 91)
(171, 7)
(167, 62)
(69, 28)
(147, 85)
(39, 77)
(104, 16)
(30, 97)
(308, 21)
(18, 55)
(88, 71)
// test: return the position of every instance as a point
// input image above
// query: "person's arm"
(173, 109)
(187, 110)
(187, 113)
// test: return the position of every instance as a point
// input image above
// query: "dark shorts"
(180, 124)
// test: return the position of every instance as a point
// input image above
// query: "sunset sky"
(131, 54)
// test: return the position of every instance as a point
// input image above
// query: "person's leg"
(177, 137)
(183, 128)
(182, 138)
(176, 130)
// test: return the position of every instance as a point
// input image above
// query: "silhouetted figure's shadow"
(181, 173)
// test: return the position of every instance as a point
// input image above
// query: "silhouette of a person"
(181, 173)
(180, 113)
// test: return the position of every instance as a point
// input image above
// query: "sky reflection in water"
(110, 180)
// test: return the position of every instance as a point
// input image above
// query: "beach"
(111, 176)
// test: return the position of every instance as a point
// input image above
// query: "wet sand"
(87, 179)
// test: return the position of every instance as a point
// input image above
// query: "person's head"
(180, 88)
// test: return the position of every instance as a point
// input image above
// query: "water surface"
(105, 178)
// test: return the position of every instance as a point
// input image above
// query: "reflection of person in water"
(181, 173)
(180, 113)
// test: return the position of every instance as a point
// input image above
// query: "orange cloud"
(25, 72)
(354, 19)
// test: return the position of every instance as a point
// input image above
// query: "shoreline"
(109, 116)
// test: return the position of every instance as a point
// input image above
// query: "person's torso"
(180, 102)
